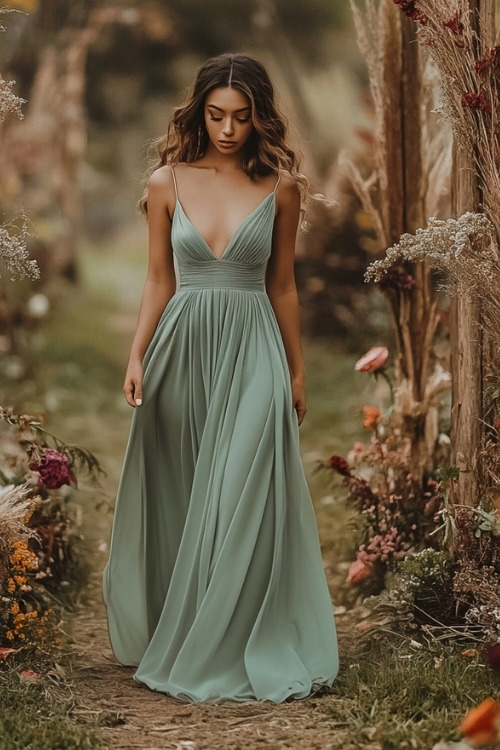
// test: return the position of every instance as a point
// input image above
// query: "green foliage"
(425, 580)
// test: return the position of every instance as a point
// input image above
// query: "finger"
(129, 392)
(138, 395)
(301, 412)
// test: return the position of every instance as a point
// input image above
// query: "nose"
(228, 126)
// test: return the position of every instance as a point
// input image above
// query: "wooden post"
(466, 336)
(415, 311)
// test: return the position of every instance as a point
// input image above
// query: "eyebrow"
(219, 109)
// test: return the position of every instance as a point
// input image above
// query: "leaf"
(449, 472)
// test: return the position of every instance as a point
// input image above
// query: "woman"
(215, 586)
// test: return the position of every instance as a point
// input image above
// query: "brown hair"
(266, 151)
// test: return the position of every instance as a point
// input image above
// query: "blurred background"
(100, 78)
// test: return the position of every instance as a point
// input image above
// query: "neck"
(222, 162)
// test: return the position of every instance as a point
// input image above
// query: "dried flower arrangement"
(396, 510)
(465, 252)
(39, 534)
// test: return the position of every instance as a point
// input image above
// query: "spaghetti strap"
(277, 182)
(175, 182)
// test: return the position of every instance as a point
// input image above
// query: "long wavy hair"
(266, 151)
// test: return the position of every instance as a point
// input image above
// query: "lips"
(227, 143)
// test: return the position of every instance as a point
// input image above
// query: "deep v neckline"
(238, 229)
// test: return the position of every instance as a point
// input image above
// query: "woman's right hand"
(132, 388)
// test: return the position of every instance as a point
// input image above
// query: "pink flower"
(29, 674)
(358, 571)
(356, 451)
(373, 360)
(52, 469)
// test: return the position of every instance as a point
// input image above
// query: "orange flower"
(373, 360)
(482, 724)
(372, 416)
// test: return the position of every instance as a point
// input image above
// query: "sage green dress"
(215, 586)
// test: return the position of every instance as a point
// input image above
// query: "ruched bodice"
(215, 586)
(242, 265)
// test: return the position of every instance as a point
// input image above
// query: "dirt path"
(134, 717)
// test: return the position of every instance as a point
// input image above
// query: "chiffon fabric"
(215, 586)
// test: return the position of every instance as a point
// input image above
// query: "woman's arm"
(160, 281)
(280, 284)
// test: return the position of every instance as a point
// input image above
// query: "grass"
(400, 697)
(35, 715)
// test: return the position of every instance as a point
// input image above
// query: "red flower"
(52, 469)
(358, 571)
(492, 57)
(493, 657)
(373, 360)
(397, 277)
(454, 23)
(475, 101)
(340, 465)
(409, 9)
(481, 725)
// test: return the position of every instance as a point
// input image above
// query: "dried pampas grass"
(469, 66)
(15, 510)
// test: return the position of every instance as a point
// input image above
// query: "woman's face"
(228, 119)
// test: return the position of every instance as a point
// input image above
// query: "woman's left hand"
(299, 399)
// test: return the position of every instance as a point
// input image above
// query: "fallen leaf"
(29, 674)
(364, 625)
(4, 652)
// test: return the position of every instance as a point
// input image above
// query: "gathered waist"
(222, 274)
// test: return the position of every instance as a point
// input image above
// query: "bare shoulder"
(161, 186)
(288, 193)
(161, 178)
